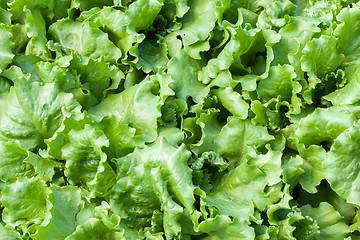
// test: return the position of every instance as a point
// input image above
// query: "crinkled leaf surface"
(24, 200)
(33, 112)
(60, 222)
(137, 106)
(12, 163)
(178, 119)
(343, 157)
(5, 48)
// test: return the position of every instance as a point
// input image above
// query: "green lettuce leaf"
(347, 94)
(7, 234)
(5, 17)
(326, 194)
(330, 222)
(44, 166)
(87, 5)
(24, 201)
(152, 55)
(159, 172)
(82, 153)
(347, 33)
(198, 22)
(210, 128)
(136, 106)
(177, 119)
(278, 83)
(252, 175)
(85, 39)
(314, 54)
(298, 226)
(320, 57)
(312, 160)
(294, 36)
(233, 102)
(122, 138)
(236, 136)
(5, 86)
(343, 158)
(183, 71)
(33, 112)
(5, 47)
(16, 8)
(239, 43)
(149, 10)
(12, 164)
(63, 205)
(94, 229)
(324, 125)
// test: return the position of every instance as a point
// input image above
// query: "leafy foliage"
(179, 119)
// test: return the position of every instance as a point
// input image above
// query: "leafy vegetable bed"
(179, 119)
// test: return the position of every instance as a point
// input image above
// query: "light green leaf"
(347, 94)
(20, 38)
(35, 24)
(148, 10)
(320, 56)
(83, 154)
(12, 163)
(183, 70)
(88, 4)
(313, 158)
(294, 37)
(63, 205)
(341, 165)
(233, 102)
(105, 178)
(136, 106)
(95, 75)
(122, 138)
(114, 22)
(94, 229)
(72, 122)
(210, 128)
(278, 83)
(17, 7)
(240, 42)
(275, 14)
(37, 47)
(44, 168)
(5, 16)
(24, 201)
(7, 234)
(198, 22)
(347, 32)
(222, 227)
(236, 135)
(298, 226)
(330, 222)
(172, 134)
(85, 39)
(324, 125)
(252, 175)
(6, 44)
(159, 172)
(33, 112)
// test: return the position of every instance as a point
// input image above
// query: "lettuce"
(179, 119)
